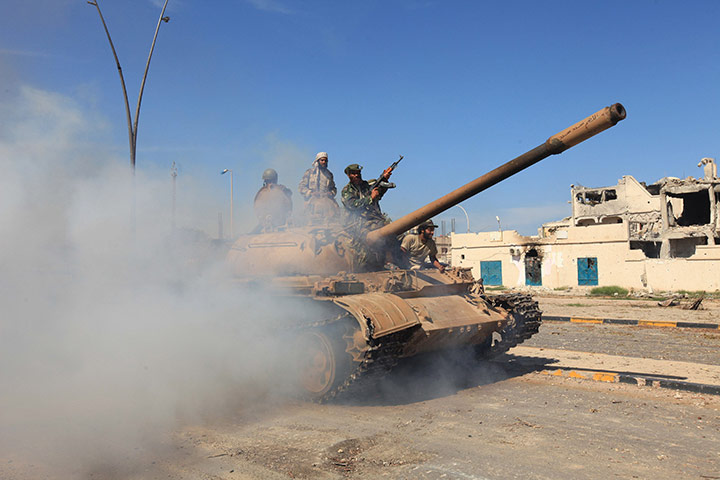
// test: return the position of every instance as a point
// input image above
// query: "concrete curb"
(639, 380)
(621, 321)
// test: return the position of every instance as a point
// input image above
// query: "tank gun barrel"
(558, 143)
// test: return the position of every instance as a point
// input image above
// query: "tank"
(360, 318)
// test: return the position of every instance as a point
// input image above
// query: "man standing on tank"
(421, 245)
(362, 200)
(318, 181)
(273, 202)
(318, 189)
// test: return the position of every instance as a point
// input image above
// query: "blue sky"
(457, 87)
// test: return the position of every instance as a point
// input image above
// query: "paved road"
(689, 345)
(632, 309)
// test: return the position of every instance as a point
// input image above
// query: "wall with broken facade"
(611, 204)
(663, 236)
(690, 216)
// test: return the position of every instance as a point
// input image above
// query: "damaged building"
(663, 236)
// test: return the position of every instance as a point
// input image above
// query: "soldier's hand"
(374, 194)
(386, 174)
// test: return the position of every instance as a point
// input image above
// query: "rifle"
(384, 183)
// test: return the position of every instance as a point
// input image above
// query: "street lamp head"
(224, 171)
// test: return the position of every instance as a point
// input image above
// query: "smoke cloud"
(112, 331)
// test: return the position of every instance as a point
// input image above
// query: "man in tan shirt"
(421, 245)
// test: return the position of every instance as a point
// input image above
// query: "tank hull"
(438, 318)
(366, 322)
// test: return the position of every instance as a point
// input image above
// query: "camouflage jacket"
(358, 203)
(316, 180)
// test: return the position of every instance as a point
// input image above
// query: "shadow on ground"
(441, 374)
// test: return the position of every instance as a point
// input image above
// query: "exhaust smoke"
(111, 336)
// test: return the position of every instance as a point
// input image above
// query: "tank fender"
(379, 314)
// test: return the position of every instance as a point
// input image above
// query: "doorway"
(533, 268)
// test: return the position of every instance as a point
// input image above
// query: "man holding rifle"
(361, 198)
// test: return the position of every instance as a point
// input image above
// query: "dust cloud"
(113, 332)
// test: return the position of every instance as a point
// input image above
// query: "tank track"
(379, 360)
(384, 353)
(380, 357)
(525, 321)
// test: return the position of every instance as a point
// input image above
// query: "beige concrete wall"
(683, 274)
(617, 264)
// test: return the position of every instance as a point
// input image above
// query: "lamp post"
(467, 219)
(173, 174)
(231, 200)
(132, 125)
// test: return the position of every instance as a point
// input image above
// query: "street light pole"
(467, 219)
(173, 174)
(132, 127)
(231, 200)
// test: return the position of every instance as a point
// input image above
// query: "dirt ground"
(487, 424)
(519, 428)
(491, 424)
(448, 419)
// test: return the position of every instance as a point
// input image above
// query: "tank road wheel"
(324, 364)
(318, 371)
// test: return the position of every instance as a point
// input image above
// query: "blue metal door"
(491, 272)
(587, 271)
